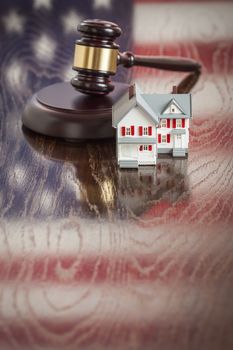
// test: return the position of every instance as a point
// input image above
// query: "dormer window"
(172, 107)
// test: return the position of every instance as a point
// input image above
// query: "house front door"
(177, 141)
(178, 150)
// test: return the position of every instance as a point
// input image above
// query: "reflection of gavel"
(97, 57)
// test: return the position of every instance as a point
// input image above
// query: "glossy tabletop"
(94, 257)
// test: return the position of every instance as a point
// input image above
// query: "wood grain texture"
(93, 257)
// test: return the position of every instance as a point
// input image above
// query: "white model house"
(174, 112)
(148, 124)
(136, 125)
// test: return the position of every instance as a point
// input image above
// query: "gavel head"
(96, 56)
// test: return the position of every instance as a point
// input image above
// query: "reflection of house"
(151, 186)
(148, 124)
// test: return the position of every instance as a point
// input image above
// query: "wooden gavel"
(97, 56)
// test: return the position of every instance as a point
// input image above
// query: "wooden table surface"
(93, 257)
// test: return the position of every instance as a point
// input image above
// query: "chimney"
(174, 89)
(132, 91)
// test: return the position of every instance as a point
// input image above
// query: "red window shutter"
(132, 129)
(150, 130)
(174, 123)
(150, 147)
(168, 123)
(140, 130)
(123, 130)
(183, 123)
(141, 147)
(159, 138)
(168, 138)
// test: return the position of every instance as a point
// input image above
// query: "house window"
(164, 138)
(145, 131)
(145, 147)
(128, 131)
(173, 110)
(163, 123)
(178, 123)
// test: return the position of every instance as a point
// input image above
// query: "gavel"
(97, 56)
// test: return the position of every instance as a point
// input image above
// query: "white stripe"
(26, 303)
(86, 238)
(179, 22)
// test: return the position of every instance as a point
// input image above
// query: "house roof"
(172, 102)
(160, 102)
(122, 107)
(153, 104)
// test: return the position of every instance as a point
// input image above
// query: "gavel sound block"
(60, 111)
(83, 109)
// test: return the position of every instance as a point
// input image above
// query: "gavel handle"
(178, 64)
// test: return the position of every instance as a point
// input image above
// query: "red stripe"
(132, 130)
(140, 130)
(203, 52)
(89, 268)
(183, 123)
(174, 123)
(150, 130)
(95, 268)
(123, 131)
(159, 138)
(168, 123)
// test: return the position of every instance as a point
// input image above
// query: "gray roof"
(159, 103)
(153, 104)
(173, 101)
(122, 107)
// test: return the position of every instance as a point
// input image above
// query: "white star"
(44, 48)
(13, 22)
(18, 176)
(42, 3)
(70, 21)
(15, 75)
(102, 3)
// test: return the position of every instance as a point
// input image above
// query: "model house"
(136, 123)
(148, 124)
(174, 112)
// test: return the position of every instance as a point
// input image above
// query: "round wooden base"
(61, 111)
